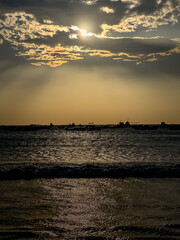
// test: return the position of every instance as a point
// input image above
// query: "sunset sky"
(101, 61)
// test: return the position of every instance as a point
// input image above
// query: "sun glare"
(83, 32)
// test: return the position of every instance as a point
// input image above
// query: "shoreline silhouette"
(90, 127)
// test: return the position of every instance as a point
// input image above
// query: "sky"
(81, 61)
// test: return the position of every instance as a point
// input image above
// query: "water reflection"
(84, 208)
(107, 146)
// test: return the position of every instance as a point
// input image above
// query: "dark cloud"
(46, 43)
(78, 13)
(60, 37)
(128, 45)
(148, 7)
(165, 66)
(65, 12)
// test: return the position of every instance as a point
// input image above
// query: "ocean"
(106, 184)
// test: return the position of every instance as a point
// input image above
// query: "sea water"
(107, 184)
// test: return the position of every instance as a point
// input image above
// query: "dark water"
(83, 208)
(105, 146)
(107, 201)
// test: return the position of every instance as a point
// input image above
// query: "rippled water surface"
(143, 207)
(113, 145)
(89, 208)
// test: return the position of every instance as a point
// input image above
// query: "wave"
(41, 170)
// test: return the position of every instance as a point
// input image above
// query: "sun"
(84, 33)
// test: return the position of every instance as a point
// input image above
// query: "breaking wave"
(41, 170)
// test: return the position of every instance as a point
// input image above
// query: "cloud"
(136, 56)
(131, 3)
(42, 54)
(42, 41)
(140, 16)
(107, 10)
(20, 26)
(89, 2)
(126, 15)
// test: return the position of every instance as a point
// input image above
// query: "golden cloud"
(164, 16)
(132, 3)
(89, 2)
(138, 58)
(19, 27)
(40, 55)
(107, 10)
